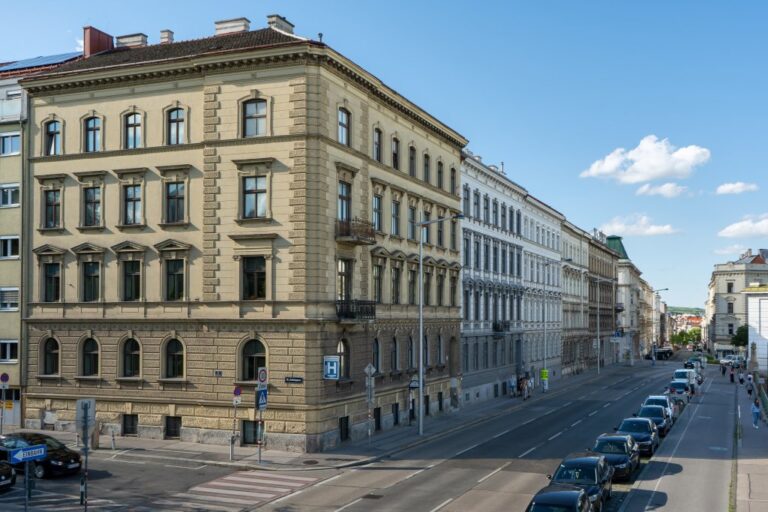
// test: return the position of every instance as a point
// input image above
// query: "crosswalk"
(13, 500)
(234, 492)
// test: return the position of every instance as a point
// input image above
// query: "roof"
(37, 62)
(616, 245)
(166, 51)
(759, 258)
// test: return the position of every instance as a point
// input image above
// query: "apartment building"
(628, 295)
(202, 209)
(603, 303)
(578, 351)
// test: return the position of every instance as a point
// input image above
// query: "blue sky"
(549, 88)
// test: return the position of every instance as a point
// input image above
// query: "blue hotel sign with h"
(331, 367)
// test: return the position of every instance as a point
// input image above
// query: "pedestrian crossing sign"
(261, 399)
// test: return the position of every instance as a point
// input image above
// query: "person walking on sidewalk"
(722, 369)
(741, 377)
(750, 387)
(755, 413)
(731, 374)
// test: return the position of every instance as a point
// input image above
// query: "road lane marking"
(318, 484)
(576, 423)
(555, 436)
(606, 405)
(349, 504)
(502, 433)
(467, 449)
(567, 404)
(489, 475)
(592, 413)
(527, 452)
(441, 505)
(414, 474)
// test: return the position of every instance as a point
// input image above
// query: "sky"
(644, 119)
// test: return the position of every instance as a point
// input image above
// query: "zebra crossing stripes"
(13, 500)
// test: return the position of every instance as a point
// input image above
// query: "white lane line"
(489, 475)
(527, 452)
(218, 499)
(576, 423)
(318, 484)
(349, 504)
(582, 397)
(431, 466)
(265, 474)
(260, 481)
(129, 461)
(414, 474)
(526, 422)
(502, 433)
(294, 493)
(555, 436)
(441, 505)
(466, 449)
(567, 404)
(606, 405)
(250, 486)
(592, 413)
(170, 450)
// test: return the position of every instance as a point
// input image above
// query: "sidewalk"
(352, 453)
(752, 461)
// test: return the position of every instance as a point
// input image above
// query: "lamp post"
(599, 347)
(545, 381)
(421, 226)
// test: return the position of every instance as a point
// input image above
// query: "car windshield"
(681, 374)
(48, 441)
(651, 412)
(634, 426)
(606, 446)
(538, 507)
(575, 474)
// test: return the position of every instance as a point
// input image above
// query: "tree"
(741, 338)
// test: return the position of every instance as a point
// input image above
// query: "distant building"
(757, 320)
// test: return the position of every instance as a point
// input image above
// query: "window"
(440, 236)
(426, 351)
(466, 202)
(52, 138)
(344, 279)
(395, 228)
(454, 290)
(729, 288)
(10, 144)
(9, 247)
(130, 425)
(9, 195)
(91, 281)
(131, 358)
(90, 358)
(9, 351)
(454, 229)
(730, 308)
(495, 213)
(254, 278)
(9, 299)
(376, 355)
(133, 131)
(172, 427)
(377, 145)
(344, 203)
(440, 174)
(395, 285)
(427, 288)
(476, 204)
(344, 120)
(425, 228)
(730, 330)
(486, 210)
(174, 202)
(176, 127)
(503, 223)
(254, 197)
(477, 254)
(51, 282)
(132, 205)
(412, 223)
(254, 118)
(174, 359)
(376, 214)
(131, 280)
(411, 353)
(495, 259)
(467, 253)
(52, 208)
(92, 206)
(426, 175)
(394, 356)
(92, 141)
(396, 154)
(486, 256)
(50, 357)
(378, 271)
(254, 356)
(453, 181)
(440, 289)
(412, 161)
(342, 350)
(412, 287)
(174, 279)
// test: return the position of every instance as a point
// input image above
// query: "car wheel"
(39, 471)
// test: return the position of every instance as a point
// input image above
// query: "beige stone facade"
(165, 286)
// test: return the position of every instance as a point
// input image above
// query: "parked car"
(689, 375)
(680, 387)
(659, 416)
(591, 472)
(621, 452)
(7, 476)
(560, 498)
(727, 359)
(643, 431)
(666, 402)
(60, 459)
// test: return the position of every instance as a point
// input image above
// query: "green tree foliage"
(686, 337)
(741, 338)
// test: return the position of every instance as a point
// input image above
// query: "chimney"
(232, 26)
(166, 36)
(95, 41)
(132, 40)
(280, 23)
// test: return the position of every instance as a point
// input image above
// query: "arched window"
(411, 353)
(342, 350)
(375, 356)
(53, 138)
(174, 360)
(92, 135)
(344, 121)
(51, 357)
(131, 358)
(176, 126)
(90, 357)
(132, 131)
(254, 118)
(394, 356)
(254, 356)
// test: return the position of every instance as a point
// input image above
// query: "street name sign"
(36, 452)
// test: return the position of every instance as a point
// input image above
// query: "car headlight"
(621, 466)
(57, 463)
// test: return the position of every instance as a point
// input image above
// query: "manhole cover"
(310, 462)
(372, 496)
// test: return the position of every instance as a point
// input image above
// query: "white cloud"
(637, 225)
(668, 190)
(738, 187)
(79, 44)
(731, 249)
(751, 225)
(652, 159)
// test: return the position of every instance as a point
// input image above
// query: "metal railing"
(355, 229)
(356, 309)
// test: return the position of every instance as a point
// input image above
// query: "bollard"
(113, 439)
(77, 440)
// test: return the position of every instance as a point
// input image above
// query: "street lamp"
(421, 226)
(599, 280)
(545, 381)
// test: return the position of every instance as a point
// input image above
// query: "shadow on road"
(657, 469)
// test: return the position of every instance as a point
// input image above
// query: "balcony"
(355, 231)
(356, 310)
(500, 327)
(619, 307)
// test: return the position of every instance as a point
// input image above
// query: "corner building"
(243, 200)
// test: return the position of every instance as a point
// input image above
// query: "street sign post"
(261, 399)
(236, 400)
(262, 378)
(85, 419)
(30, 453)
(3, 385)
(370, 383)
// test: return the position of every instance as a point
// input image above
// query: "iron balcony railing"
(355, 230)
(356, 309)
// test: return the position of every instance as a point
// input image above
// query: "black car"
(689, 364)
(621, 452)
(7, 476)
(591, 472)
(60, 459)
(643, 431)
(659, 416)
(560, 498)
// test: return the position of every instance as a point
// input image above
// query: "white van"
(686, 374)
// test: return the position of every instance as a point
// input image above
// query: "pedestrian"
(741, 377)
(731, 374)
(750, 387)
(755, 413)
(749, 378)
(529, 388)
(722, 369)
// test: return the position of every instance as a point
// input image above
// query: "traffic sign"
(544, 374)
(36, 452)
(85, 416)
(237, 391)
(370, 370)
(261, 399)
(4, 377)
(331, 367)
(262, 377)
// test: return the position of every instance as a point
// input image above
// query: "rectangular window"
(440, 174)
(453, 235)
(427, 288)
(486, 256)
(52, 199)
(92, 134)
(503, 260)
(51, 282)
(412, 223)
(465, 306)
(729, 287)
(486, 210)
(9, 196)
(378, 272)
(377, 145)
(90, 281)
(495, 214)
(503, 223)
(467, 253)
(440, 235)
(174, 202)
(396, 154)
(395, 228)
(395, 285)
(440, 289)
(52, 138)
(344, 279)
(131, 280)
(412, 287)
(477, 305)
(132, 131)
(730, 330)
(254, 197)
(254, 278)
(9, 351)
(466, 202)
(254, 118)
(476, 204)
(454, 290)
(344, 204)
(412, 161)
(425, 229)
(9, 247)
(9, 299)
(426, 175)
(10, 144)
(477, 254)
(453, 181)
(377, 213)
(176, 126)
(495, 259)
(174, 279)
(131, 205)
(730, 308)
(344, 121)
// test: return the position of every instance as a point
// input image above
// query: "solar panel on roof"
(45, 60)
